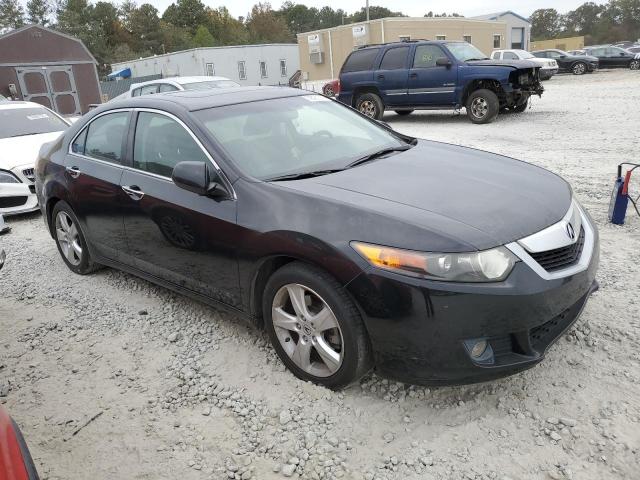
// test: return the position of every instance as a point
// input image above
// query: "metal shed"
(41, 65)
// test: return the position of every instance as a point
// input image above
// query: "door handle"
(74, 172)
(380, 77)
(413, 75)
(133, 191)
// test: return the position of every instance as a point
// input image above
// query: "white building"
(518, 29)
(270, 64)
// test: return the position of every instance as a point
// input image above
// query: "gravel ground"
(112, 377)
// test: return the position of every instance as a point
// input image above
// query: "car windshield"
(210, 84)
(295, 135)
(464, 52)
(17, 122)
(524, 54)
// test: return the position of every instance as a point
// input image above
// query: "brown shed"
(50, 68)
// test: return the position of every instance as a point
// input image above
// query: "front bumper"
(16, 198)
(420, 330)
(547, 73)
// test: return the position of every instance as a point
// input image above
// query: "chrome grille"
(30, 173)
(560, 257)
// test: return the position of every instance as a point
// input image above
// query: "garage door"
(51, 86)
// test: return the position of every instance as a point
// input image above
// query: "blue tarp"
(124, 73)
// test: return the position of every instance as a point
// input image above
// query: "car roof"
(409, 42)
(13, 104)
(178, 80)
(193, 100)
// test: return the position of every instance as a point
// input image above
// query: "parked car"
(332, 88)
(576, 64)
(173, 84)
(24, 128)
(579, 52)
(548, 68)
(614, 57)
(351, 244)
(424, 74)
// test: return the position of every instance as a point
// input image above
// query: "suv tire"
(404, 113)
(371, 105)
(299, 341)
(482, 106)
(70, 240)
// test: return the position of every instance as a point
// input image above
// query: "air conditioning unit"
(316, 58)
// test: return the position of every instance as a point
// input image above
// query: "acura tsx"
(354, 246)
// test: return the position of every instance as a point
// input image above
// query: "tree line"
(600, 23)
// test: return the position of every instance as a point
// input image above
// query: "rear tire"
(482, 106)
(320, 337)
(71, 240)
(371, 105)
(579, 68)
(404, 113)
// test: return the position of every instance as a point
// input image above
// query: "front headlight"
(8, 177)
(487, 266)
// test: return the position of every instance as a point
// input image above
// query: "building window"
(263, 69)
(283, 68)
(242, 71)
(441, 37)
(211, 71)
(405, 38)
(497, 41)
(467, 38)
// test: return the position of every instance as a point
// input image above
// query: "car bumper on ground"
(16, 198)
(424, 332)
(547, 73)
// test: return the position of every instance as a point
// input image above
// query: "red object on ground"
(332, 88)
(12, 462)
(625, 185)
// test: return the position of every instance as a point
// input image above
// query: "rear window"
(360, 60)
(394, 59)
(17, 122)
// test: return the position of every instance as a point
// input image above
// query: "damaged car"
(434, 75)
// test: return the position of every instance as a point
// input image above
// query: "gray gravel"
(112, 377)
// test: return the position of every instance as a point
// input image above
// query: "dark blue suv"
(427, 75)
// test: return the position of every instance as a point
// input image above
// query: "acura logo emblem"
(571, 232)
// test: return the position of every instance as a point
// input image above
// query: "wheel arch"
(361, 90)
(483, 83)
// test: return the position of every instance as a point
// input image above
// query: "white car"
(174, 84)
(549, 67)
(24, 128)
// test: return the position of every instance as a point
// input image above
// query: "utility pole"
(367, 11)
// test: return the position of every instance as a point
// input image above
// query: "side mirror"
(622, 54)
(443, 62)
(195, 177)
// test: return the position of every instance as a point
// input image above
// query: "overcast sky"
(415, 8)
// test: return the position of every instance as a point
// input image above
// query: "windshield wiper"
(378, 154)
(303, 175)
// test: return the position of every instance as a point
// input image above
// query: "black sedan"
(353, 245)
(576, 64)
(614, 57)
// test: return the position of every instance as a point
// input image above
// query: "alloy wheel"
(579, 68)
(329, 92)
(635, 65)
(68, 238)
(368, 108)
(307, 330)
(479, 107)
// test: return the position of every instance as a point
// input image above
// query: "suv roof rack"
(413, 40)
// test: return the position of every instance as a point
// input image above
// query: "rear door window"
(167, 87)
(394, 59)
(105, 137)
(495, 55)
(509, 56)
(360, 60)
(149, 89)
(161, 143)
(427, 55)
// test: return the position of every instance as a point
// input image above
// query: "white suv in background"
(549, 67)
(173, 84)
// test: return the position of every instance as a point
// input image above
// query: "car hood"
(477, 198)
(19, 151)
(516, 64)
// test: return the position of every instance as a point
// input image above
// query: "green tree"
(545, 23)
(143, 24)
(38, 11)
(374, 13)
(226, 29)
(174, 38)
(11, 15)
(583, 20)
(203, 37)
(187, 14)
(264, 26)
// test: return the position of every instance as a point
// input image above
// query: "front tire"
(371, 105)
(579, 68)
(314, 326)
(634, 65)
(70, 240)
(482, 106)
